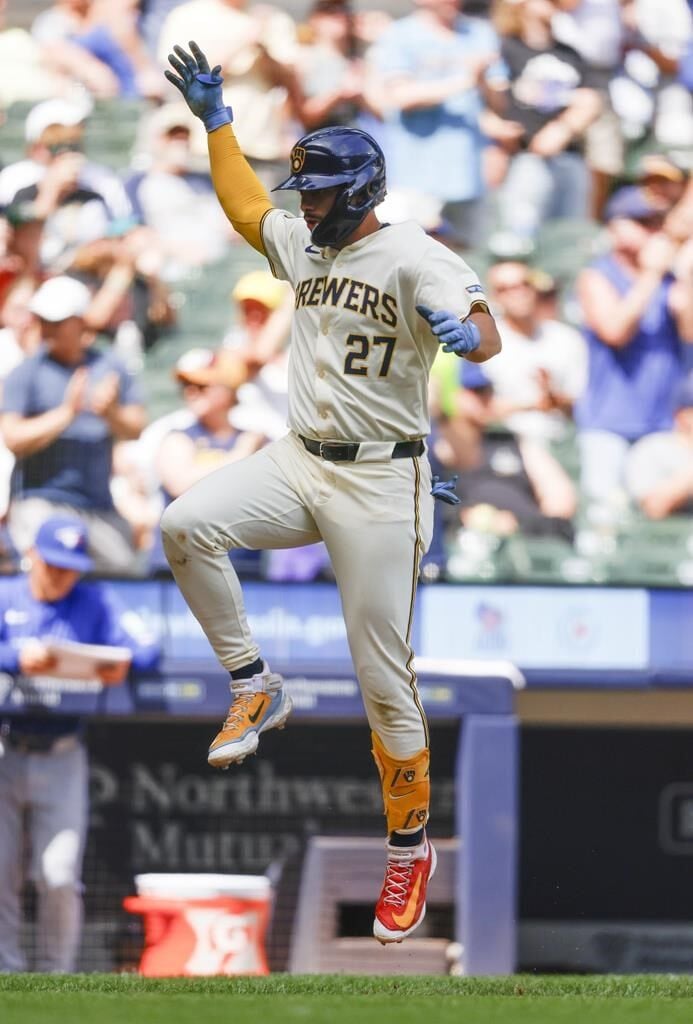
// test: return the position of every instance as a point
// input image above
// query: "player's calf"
(259, 703)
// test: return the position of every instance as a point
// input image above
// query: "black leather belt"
(346, 451)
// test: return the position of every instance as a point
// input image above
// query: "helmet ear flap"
(366, 196)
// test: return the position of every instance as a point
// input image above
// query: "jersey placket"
(324, 369)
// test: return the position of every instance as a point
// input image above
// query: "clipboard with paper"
(82, 661)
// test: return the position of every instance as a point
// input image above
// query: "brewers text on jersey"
(354, 295)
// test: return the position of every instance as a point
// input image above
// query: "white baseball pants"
(376, 519)
(52, 790)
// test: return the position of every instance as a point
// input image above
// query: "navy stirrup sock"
(247, 671)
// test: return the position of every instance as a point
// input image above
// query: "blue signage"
(556, 636)
(671, 616)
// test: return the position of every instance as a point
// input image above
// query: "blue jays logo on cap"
(62, 541)
(298, 156)
(71, 537)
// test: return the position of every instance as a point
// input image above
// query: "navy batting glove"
(444, 490)
(454, 335)
(201, 88)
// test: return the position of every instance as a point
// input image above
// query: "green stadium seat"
(110, 131)
(671, 533)
(476, 557)
(567, 453)
(564, 246)
(545, 560)
(654, 553)
(205, 313)
(12, 144)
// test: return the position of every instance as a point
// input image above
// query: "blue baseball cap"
(633, 203)
(62, 541)
(473, 377)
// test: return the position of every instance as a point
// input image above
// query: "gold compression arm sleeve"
(239, 190)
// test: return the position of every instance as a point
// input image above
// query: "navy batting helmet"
(347, 157)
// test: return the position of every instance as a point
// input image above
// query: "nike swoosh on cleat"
(406, 918)
(253, 718)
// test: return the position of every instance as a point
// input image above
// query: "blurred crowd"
(498, 119)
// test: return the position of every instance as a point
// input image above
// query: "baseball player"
(373, 301)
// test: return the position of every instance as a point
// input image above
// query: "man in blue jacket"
(43, 767)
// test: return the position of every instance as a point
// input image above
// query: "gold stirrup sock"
(406, 787)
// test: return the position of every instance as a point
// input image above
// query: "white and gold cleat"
(258, 704)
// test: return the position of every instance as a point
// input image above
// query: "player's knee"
(59, 864)
(178, 525)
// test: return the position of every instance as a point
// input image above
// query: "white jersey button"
(323, 415)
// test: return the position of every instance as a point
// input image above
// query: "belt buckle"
(335, 447)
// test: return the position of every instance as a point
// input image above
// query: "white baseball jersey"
(360, 353)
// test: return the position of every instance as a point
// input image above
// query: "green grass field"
(338, 999)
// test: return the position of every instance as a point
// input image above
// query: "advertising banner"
(558, 628)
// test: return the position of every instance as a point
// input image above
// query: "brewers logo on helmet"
(298, 156)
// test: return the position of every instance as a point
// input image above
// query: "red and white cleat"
(402, 904)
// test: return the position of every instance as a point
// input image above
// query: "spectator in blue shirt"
(43, 765)
(438, 68)
(637, 316)
(62, 410)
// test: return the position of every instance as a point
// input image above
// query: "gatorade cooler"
(202, 924)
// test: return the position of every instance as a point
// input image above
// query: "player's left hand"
(444, 490)
(200, 86)
(454, 335)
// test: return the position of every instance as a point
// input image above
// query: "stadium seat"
(12, 143)
(111, 131)
(476, 556)
(567, 453)
(204, 314)
(109, 136)
(654, 553)
(544, 560)
(564, 246)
